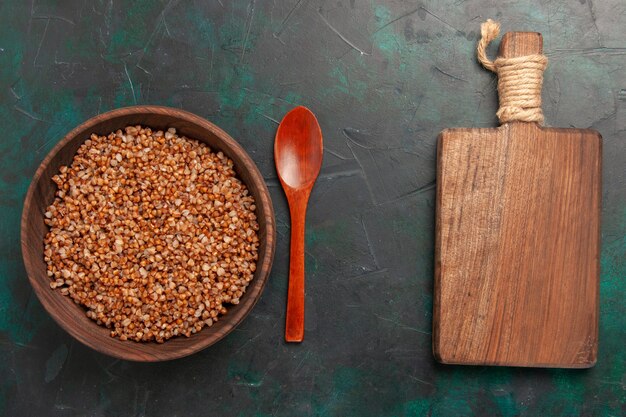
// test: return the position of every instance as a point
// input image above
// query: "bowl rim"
(266, 257)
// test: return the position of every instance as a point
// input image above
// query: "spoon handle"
(294, 328)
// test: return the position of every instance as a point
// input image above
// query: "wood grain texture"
(71, 316)
(294, 317)
(298, 152)
(517, 242)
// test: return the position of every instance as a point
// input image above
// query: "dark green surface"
(384, 78)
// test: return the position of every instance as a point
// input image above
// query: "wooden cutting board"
(517, 241)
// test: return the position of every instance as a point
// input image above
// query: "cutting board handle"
(514, 44)
(517, 44)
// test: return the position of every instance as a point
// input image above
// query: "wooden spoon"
(298, 151)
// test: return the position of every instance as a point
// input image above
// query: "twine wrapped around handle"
(519, 79)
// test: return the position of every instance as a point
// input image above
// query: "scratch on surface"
(167, 30)
(380, 177)
(245, 39)
(347, 132)
(27, 303)
(367, 182)
(161, 21)
(401, 325)
(609, 382)
(367, 274)
(620, 108)
(365, 176)
(32, 13)
(449, 75)
(290, 83)
(143, 69)
(132, 88)
(101, 38)
(269, 118)
(46, 143)
(253, 384)
(313, 257)
(156, 29)
(592, 12)
(14, 93)
(268, 95)
(41, 42)
(286, 19)
(211, 63)
(335, 154)
(30, 115)
(438, 18)
(139, 408)
(282, 226)
(343, 38)
(339, 174)
(304, 357)
(606, 51)
(369, 243)
(490, 86)
(417, 107)
(426, 187)
(80, 12)
(54, 364)
(9, 345)
(402, 16)
(420, 380)
(107, 370)
(64, 19)
(401, 350)
(282, 222)
(249, 341)
(557, 101)
(277, 400)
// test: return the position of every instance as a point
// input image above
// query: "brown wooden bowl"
(40, 195)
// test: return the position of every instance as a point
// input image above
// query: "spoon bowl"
(298, 149)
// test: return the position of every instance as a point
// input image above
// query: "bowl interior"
(70, 315)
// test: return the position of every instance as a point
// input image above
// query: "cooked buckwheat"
(153, 233)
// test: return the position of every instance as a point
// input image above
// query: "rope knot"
(519, 79)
